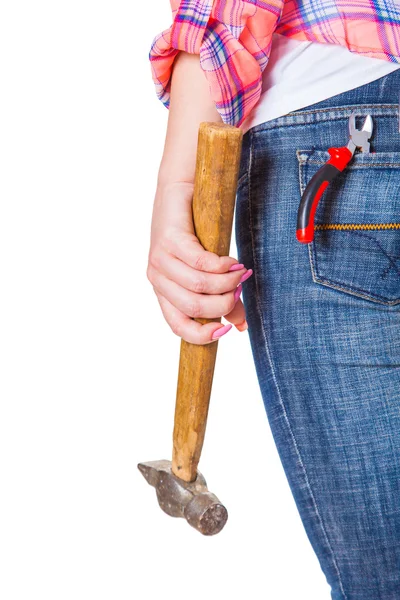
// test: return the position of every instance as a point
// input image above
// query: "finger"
(192, 279)
(237, 315)
(190, 251)
(191, 304)
(185, 327)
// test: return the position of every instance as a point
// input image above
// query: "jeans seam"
(359, 166)
(388, 110)
(343, 107)
(304, 156)
(269, 357)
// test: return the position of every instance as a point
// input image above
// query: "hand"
(189, 281)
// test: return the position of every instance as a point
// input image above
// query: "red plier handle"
(340, 157)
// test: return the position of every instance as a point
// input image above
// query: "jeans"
(324, 328)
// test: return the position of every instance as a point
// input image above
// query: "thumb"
(237, 316)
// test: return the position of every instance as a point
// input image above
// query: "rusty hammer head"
(179, 498)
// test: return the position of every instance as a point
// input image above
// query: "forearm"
(190, 104)
(189, 281)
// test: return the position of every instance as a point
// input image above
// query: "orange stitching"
(355, 226)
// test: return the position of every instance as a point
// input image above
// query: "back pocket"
(356, 247)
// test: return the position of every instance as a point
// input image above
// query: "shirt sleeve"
(233, 39)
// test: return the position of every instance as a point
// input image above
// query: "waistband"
(380, 98)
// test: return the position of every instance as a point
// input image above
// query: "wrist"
(174, 192)
(167, 178)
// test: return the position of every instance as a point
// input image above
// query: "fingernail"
(236, 267)
(246, 275)
(221, 331)
(238, 292)
(242, 326)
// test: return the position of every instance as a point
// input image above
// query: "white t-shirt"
(300, 73)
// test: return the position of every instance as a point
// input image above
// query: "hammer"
(181, 489)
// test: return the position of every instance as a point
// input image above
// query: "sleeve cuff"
(234, 48)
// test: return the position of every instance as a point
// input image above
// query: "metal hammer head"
(179, 498)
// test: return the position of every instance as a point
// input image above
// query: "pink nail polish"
(246, 275)
(238, 291)
(221, 331)
(236, 267)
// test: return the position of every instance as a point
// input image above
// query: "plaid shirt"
(233, 39)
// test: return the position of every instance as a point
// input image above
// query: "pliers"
(340, 157)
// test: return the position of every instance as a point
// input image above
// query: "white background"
(88, 364)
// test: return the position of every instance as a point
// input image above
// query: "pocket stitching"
(303, 157)
(356, 226)
(337, 285)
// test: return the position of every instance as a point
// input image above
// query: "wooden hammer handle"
(217, 168)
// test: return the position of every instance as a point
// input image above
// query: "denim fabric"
(324, 328)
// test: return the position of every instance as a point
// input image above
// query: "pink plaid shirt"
(233, 39)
